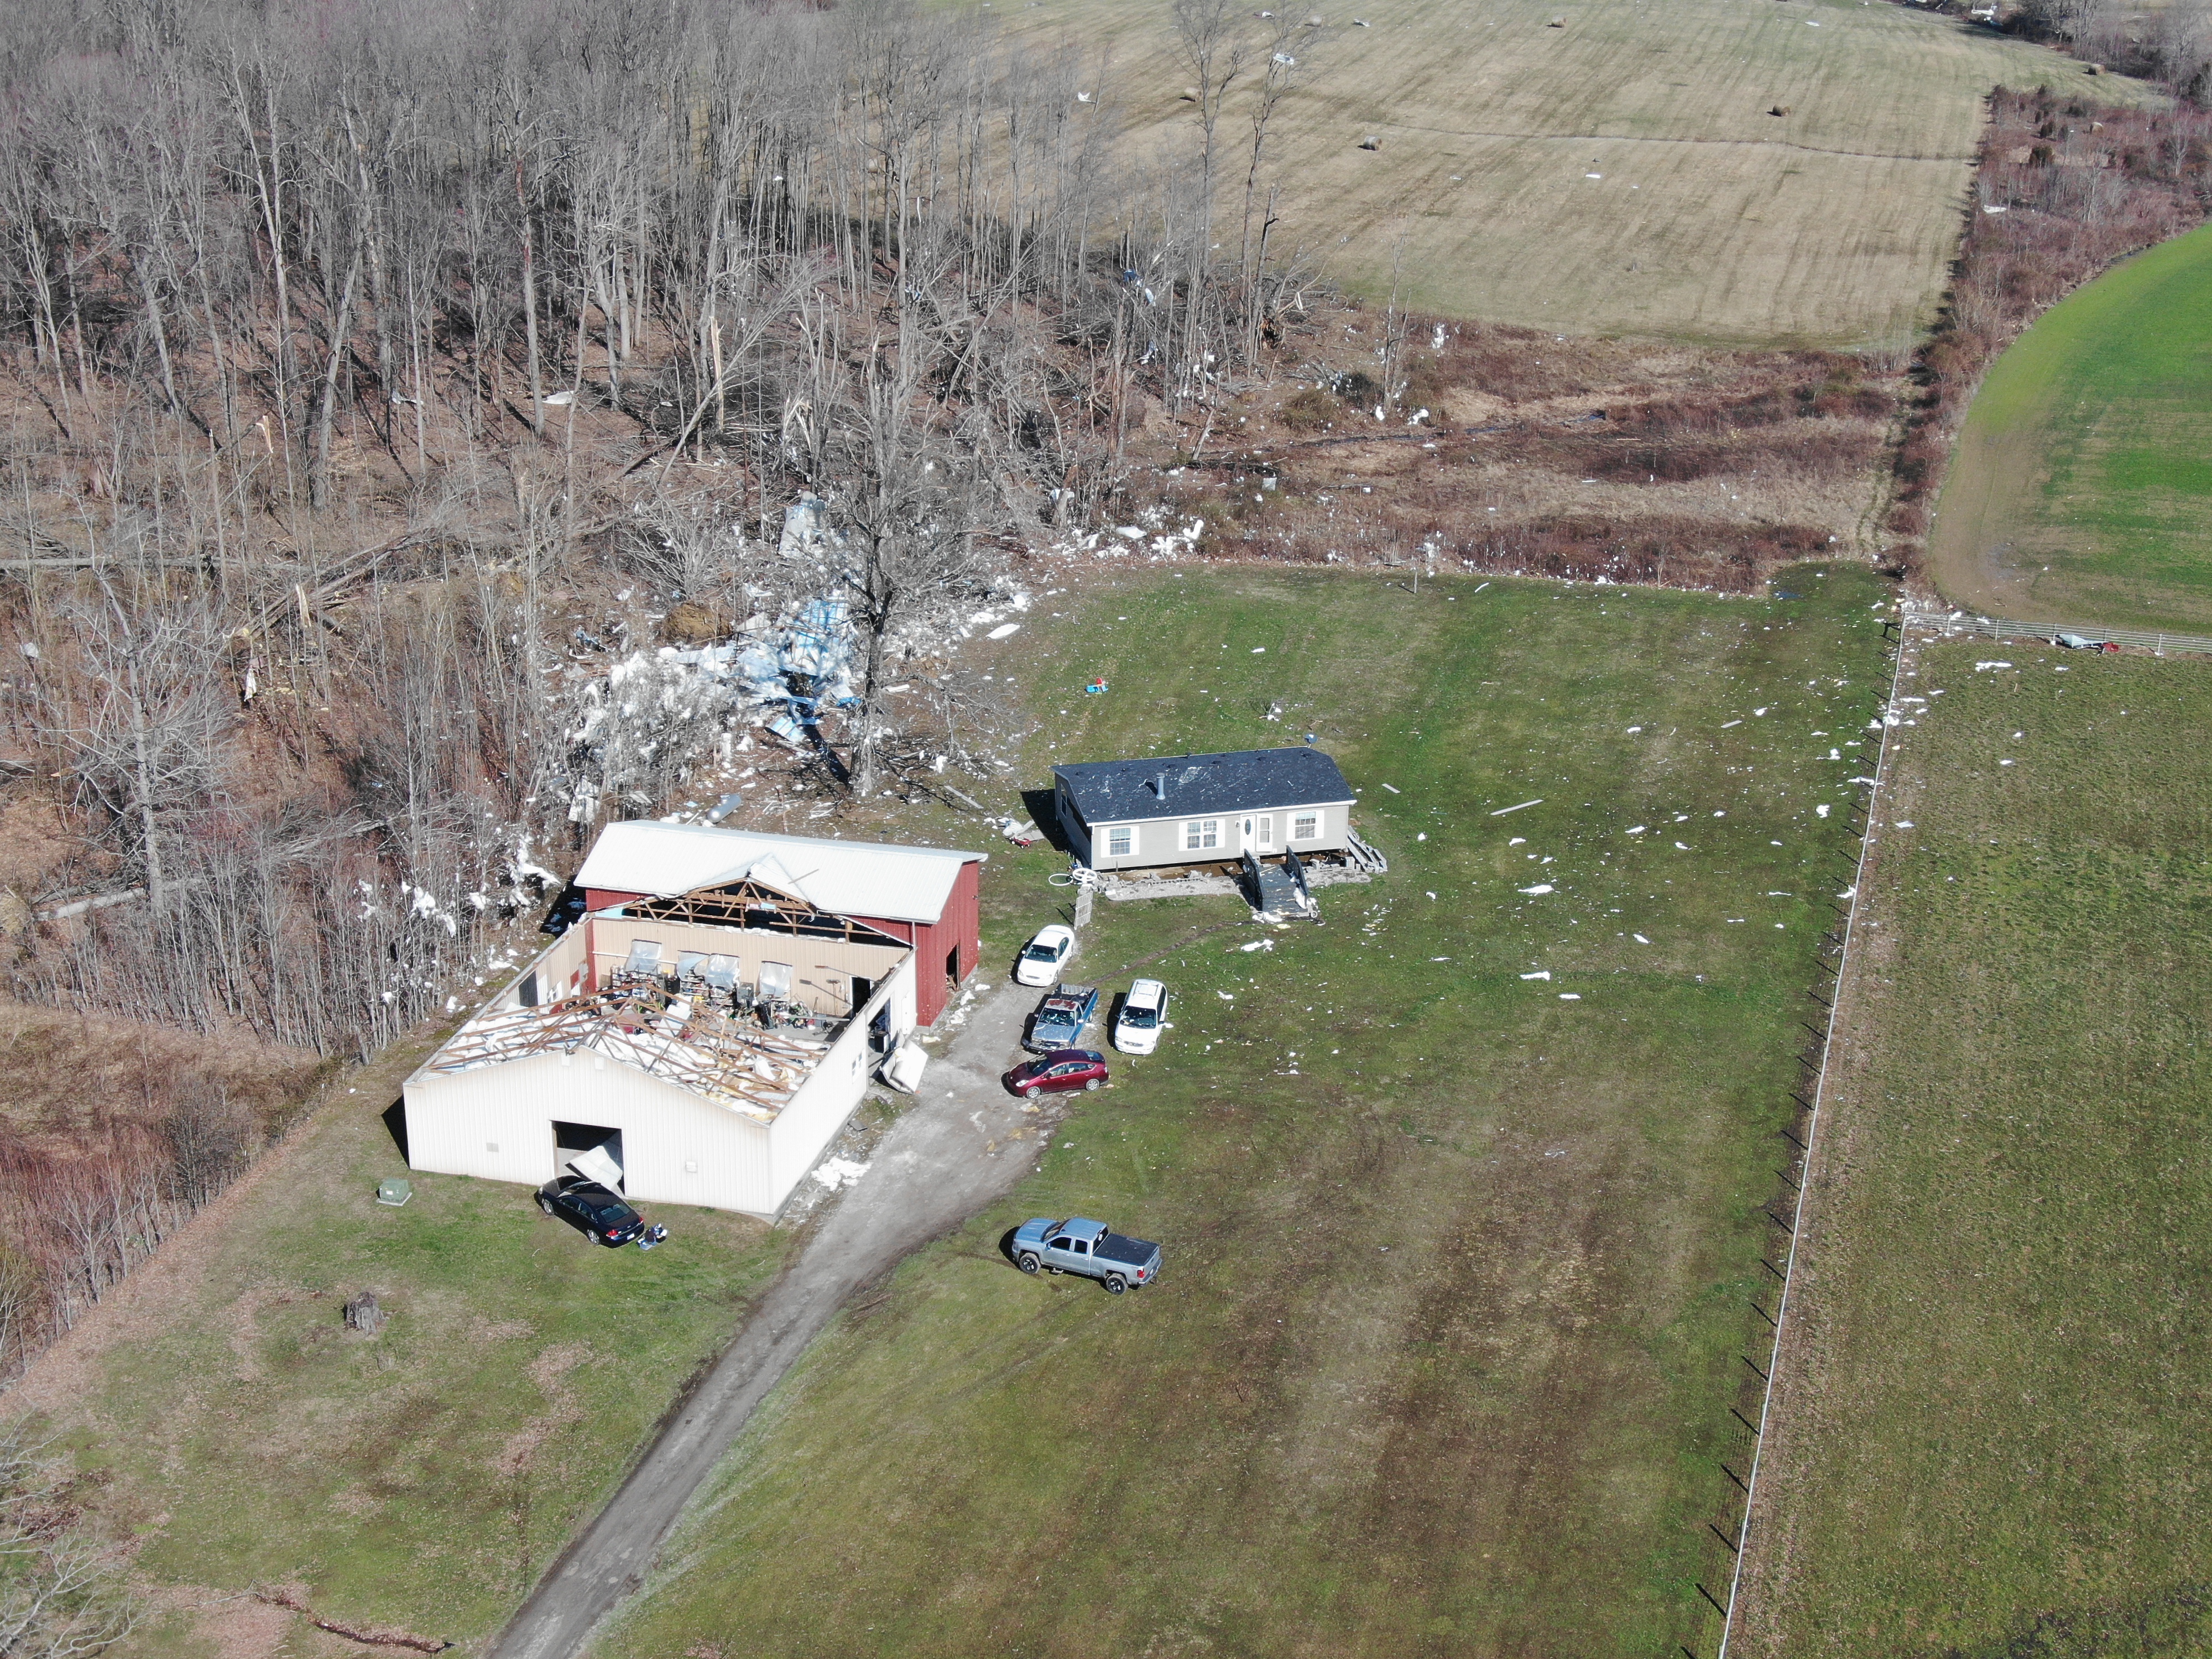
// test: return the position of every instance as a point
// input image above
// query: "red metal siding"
(603, 898)
(959, 926)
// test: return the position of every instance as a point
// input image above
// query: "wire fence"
(1998, 628)
(1743, 1431)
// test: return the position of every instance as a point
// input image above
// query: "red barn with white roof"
(927, 896)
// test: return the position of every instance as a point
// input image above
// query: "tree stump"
(362, 1314)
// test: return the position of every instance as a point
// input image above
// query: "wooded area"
(356, 360)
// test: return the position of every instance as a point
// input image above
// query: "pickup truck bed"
(1126, 1252)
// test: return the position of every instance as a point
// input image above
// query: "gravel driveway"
(961, 1145)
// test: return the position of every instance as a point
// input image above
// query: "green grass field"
(1710, 218)
(2080, 489)
(420, 1481)
(1994, 1421)
(1459, 1257)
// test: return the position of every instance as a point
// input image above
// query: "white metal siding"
(455, 1121)
(495, 1121)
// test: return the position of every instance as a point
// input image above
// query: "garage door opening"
(590, 1151)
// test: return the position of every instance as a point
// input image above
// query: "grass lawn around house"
(1459, 1257)
(1994, 1418)
(419, 1480)
(2081, 490)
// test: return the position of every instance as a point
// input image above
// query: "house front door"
(1267, 832)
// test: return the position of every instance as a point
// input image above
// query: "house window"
(1199, 834)
(1121, 842)
(1305, 826)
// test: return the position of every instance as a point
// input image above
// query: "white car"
(1042, 957)
(1144, 1016)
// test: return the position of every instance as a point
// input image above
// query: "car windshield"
(1139, 1019)
(1041, 953)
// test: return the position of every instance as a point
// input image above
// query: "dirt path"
(963, 1144)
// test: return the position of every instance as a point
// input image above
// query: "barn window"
(1305, 826)
(1121, 842)
(1201, 833)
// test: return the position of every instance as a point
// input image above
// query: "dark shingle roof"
(1251, 779)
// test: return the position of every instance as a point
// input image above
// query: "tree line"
(360, 360)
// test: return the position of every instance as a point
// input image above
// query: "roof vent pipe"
(1160, 786)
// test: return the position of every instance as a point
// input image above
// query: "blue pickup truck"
(1089, 1248)
(1061, 1018)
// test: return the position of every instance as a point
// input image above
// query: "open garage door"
(590, 1151)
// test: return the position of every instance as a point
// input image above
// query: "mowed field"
(1459, 1191)
(2080, 487)
(1707, 216)
(1994, 1423)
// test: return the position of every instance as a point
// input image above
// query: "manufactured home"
(1203, 809)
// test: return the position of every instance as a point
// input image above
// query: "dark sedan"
(1060, 1070)
(592, 1210)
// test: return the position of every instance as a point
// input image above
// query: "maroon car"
(1063, 1068)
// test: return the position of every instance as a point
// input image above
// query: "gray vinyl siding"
(1160, 841)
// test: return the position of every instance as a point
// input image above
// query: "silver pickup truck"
(1089, 1248)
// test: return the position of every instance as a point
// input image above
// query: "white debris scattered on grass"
(1726, 724)
(1394, 788)
(2007, 763)
(1824, 811)
(1503, 811)
(1003, 630)
(1258, 945)
(1544, 887)
(1980, 666)
(1226, 996)
(1758, 711)
(1633, 730)
(1541, 973)
(1639, 938)
(1570, 996)
(1902, 824)
(1518, 840)
(1259, 650)
(836, 1172)
(1635, 829)
(1683, 847)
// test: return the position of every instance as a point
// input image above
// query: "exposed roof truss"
(643, 1026)
(751, 904)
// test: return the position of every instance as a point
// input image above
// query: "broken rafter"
(749, 904)
(668, 1038)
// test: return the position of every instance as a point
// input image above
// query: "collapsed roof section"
(671, 1037)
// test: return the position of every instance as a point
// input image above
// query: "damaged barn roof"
(840, 878)
(1248, 779)
(751, 1072)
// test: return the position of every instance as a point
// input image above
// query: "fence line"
(1795, 1226)
(1996, 628)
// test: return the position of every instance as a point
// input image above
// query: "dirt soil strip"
(960, 1147)
(1846, 965)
